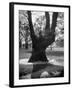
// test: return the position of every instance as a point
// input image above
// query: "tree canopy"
(39, 24)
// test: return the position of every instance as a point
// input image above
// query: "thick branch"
(32, 34)
(50, 35)
(31, 25)
(54, 20)
(47, 21)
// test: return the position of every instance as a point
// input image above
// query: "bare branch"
(31, 25)
(54, 20)
(47, 21)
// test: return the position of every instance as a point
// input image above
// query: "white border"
(18, 82)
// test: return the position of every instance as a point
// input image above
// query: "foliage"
(39, 22)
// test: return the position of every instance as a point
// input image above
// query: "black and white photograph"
(41, 44)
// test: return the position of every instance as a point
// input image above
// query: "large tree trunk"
(39, 44)
(38, 56)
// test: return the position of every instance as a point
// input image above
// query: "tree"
(23, 29)
(39, 44)
(26, 36)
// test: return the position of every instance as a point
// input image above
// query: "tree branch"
(54, 20)
(31, 25)
(47, 28)
(32, 34)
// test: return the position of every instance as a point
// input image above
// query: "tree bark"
(39, 44)
(47, 27)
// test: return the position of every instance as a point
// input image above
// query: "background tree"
(23, 29)
(39, 44)
(60, 30)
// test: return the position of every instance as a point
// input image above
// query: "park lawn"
(56, 52)
(28, 70)
(34, 70)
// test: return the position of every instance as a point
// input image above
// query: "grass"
(34, 70)
(56, 52)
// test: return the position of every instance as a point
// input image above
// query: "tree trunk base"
(38, 56)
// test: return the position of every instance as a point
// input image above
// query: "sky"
(37, 14)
